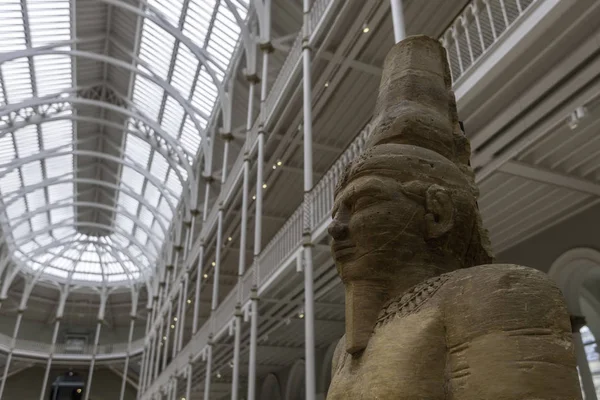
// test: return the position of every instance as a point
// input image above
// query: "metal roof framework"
(181, 62)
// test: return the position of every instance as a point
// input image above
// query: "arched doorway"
(296, 389)
(270, 390)
(577, 274)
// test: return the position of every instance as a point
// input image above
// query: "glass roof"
(38, 182)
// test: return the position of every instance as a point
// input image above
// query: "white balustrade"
(476, 30)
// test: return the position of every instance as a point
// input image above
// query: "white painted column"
(146, 353)
(159, 344)
(188, 386)
(307, 231)
(181, 321)
(11, 350)
(398, 20)
(168, 330)
(134, 304)
(103, 298)
(208, 370)
(177, 322)
(197, 293)
(59, 315)
(150, 366)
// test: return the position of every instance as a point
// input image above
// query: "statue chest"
(405, 359)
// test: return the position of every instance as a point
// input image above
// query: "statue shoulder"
(502, 276)
(503, 296)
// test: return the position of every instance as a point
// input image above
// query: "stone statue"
(427, 315)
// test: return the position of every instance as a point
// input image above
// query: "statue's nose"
(338, 229)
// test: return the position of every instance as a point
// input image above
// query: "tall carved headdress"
(417, 108)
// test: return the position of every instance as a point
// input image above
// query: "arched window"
(593, 358)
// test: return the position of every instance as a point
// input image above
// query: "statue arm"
(509, 337)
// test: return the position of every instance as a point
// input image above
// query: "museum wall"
(542, 250)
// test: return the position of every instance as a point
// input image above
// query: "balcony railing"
(477, 29)
(34, 348)
(474, 33)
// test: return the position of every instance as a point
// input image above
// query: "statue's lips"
(342, 250)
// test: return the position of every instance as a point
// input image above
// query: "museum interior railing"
(473, 34)
(40, 350)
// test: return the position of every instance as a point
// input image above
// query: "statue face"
(375, 224)
(393, 203)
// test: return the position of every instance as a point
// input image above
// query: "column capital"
(266, 47)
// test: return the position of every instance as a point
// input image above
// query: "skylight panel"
(141, 236)
(52, 73)
(156, 229)
(147, 97)
(164, 208)
(17, 82)
(57, 133)
(12, 34)
(168, 9)
(21, 231)
(128, 203)
(58, 215)
(61, 273)
(172, 117)
(137, 150)
(197, 20)
(26, 140)
(124, 223)
(184, 71)
(7, 148)
(63, 232)
(10, 182)
(156, 48)
(49, 21)
(39, 222)
(132, 178)
(32, 173)
(152, 194)
(146, 216)
(60, 191)
(59, 165)
(159, 167)
(16, 208)
(205, 93)
(173, 182)
(190, 137)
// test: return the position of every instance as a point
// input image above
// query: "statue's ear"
(439, 217)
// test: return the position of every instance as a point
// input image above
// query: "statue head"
(406, 209)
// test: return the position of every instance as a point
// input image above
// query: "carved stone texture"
(427, 315)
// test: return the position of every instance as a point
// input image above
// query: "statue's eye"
(364, 201)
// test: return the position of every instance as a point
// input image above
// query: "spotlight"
(229, 238)
(253, 197)
(214, 263)
(327, 84)
(279, 163)
(264, 185)
(366, 28)
(205, 276)
(164, 338)
(218, 375)
(274, 166)
(175, 319)
(300, 315)
(189, 301)
(172, 326)
(78, 390)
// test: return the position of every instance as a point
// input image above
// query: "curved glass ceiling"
(39, 140)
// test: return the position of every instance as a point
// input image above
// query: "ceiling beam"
(543, 175)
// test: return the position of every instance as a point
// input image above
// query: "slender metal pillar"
(236, 354)
(219, 244)
(22, 306)
(188, 386)
(208, 370)
(146, 353)
(103, 298)
(150, 367)
(59, 315)
(183, 302)
(126, 367)
(174, 391)
(159, 344)
(178, 322)
(167, 334)
(398, 20)
(307, 231)
(253, 346)
(199, 277)
(12, 348)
